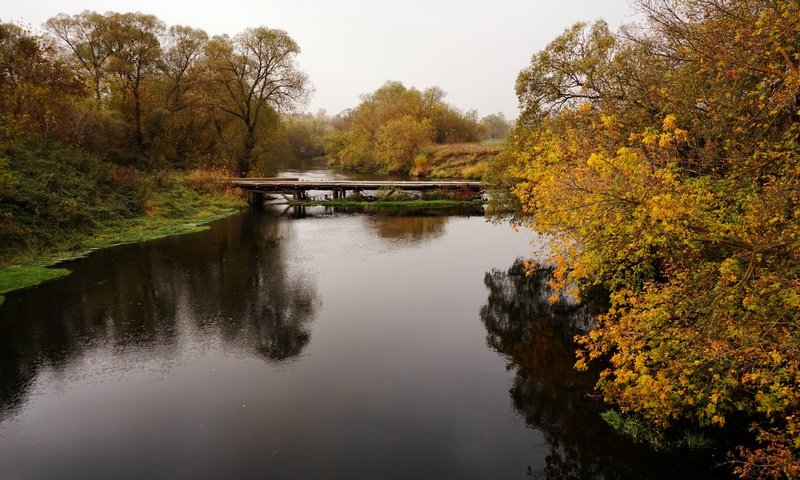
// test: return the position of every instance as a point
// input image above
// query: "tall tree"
(496, 125)
(573, 69)
(37, 90)
(135, 54)
(184, 47)
(251, 73)
(81, 34)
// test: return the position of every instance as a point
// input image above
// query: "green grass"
(174, 210)
(695, 441)
(635, 429)
(27, 275)
(418, 203)
(494, 142)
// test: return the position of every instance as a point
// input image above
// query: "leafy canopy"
(664, 163)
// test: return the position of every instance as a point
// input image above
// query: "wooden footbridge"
(256, 188)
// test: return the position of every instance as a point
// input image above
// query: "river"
(306, 343)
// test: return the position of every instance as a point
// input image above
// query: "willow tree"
(253, 75)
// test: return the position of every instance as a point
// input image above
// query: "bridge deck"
(300, 188)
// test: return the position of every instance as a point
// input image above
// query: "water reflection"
(231, 283)
(179, 356)
(402, 225)
(552, 397)
(408, 229)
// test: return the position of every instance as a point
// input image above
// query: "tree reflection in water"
(552, 397)
(416, 225)
(404, 225)
(231, 283)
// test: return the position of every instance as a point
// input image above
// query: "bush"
(50, 193)
(387, 194)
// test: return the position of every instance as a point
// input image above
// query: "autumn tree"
(663, 162)
(252, 74)
(138, 68)
(496, 126)
(453, 126)
(398, 141)
(37, 90)
(132, 39)
(183, 98)
(393, 124)
(305, 134)
(180, 125)
(182, 50)
(569, 72)
(82, 35)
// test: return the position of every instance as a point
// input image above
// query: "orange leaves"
(679, 193)
(695, 291)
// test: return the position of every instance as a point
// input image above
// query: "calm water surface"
(305, 344)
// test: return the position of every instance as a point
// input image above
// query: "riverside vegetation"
(113, 127)
(664, 161)
(403, 130)
(59, 203)
(389, 197)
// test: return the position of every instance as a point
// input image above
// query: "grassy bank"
(460, 160)
(454, 160)
(178, 203)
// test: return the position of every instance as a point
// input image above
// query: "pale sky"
(472, 49)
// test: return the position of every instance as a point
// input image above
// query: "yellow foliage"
(669, 124)
(689, 219)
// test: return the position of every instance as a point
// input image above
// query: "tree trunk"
(246, 160)
(137, 117)
(97, 93)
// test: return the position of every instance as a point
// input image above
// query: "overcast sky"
(472, 49)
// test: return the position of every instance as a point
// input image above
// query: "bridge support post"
(255, 199)
(299, 194)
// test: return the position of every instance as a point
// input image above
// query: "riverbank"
(448, 161)
(458, 160)
(181, 203)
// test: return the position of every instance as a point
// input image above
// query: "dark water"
(305, 344)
